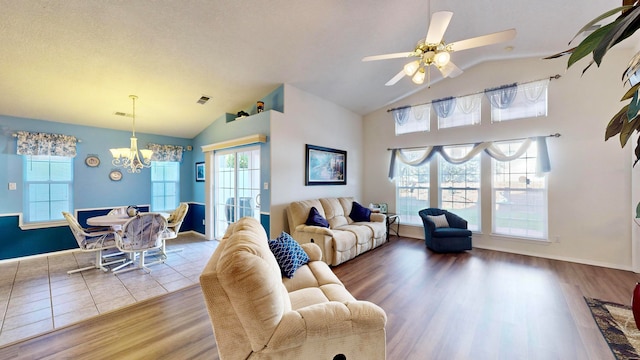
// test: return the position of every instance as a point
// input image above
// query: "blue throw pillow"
(359, 213)
(315, 219)
(289, 254)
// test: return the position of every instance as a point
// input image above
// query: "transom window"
(48, 183)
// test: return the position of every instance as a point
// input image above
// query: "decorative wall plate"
(92, 161)
(115, 175)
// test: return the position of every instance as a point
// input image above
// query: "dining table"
(114, 220)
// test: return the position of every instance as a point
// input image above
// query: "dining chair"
(174, 222)
(139, 234)
(93, 240)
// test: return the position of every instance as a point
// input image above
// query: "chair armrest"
(378, 217)
(313, 251)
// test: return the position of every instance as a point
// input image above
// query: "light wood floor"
(477, 305)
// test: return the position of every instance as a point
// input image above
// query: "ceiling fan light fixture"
(418, 78)
(442, 58)
(411, 67)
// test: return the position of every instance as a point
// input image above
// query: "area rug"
(618, 327)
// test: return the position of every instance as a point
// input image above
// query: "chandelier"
(129, 158)
(437, 55)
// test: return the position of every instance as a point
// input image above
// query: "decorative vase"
(635, 304)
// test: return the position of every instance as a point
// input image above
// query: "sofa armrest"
(313, 251)
(314, 229)
(326, 320)
(378, 217)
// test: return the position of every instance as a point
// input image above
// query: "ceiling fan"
(432, 50)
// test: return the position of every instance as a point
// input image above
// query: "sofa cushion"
(289, 255)
(359, 213)
(439, 220)
(315, 219)
(334, 212)
(451, 232)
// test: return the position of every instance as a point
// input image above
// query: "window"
(459, 185)
(519, 196)
(412, 189)
(524, 101)
(48, 181)
(165, 184)
(412, 119)
(466, 111)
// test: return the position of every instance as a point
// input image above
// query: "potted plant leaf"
(627, 120)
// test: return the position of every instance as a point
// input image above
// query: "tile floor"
(38, 295)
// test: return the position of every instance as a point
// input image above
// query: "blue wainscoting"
(16, 242)
(194, 219)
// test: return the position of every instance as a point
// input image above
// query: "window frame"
(408, 210)
(525, 189)
(29, 184)
(164, 183)
(474, 225)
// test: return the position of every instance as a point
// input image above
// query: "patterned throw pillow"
(439, 220)
(315, 219)
(360, 213)
(289, 254)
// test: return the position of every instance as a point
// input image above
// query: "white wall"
(309, 119)
(590, 181)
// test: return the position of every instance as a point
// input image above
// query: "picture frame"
(200, 171)
(383, 208)
(325, 166)
(92, 161)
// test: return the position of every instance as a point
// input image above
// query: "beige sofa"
(258, 314)
(344, 239)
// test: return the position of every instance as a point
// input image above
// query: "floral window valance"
(166, 152)
(35, 143)
(489, 147)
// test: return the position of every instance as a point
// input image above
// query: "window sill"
(520, 239)
(41, 225)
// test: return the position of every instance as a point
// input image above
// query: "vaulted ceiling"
(76, 61)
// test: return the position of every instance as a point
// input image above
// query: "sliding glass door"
(236, 186)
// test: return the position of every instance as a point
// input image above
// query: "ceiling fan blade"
(396, 78)
(388, 56)
(450, 70)
(437, 27)
(483, 40)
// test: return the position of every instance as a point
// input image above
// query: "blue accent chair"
(455, 238)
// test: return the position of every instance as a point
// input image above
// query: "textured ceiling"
(76, 61)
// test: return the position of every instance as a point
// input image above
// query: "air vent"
(203, 99)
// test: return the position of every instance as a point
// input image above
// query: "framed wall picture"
(325, 166)
(92, 161)
(200, 171)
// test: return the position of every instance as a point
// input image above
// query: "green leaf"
(629, 94)
(623, 27)
(615, 124)
(633, 107)
(599, 18)
(589, 44)
(627, 129)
